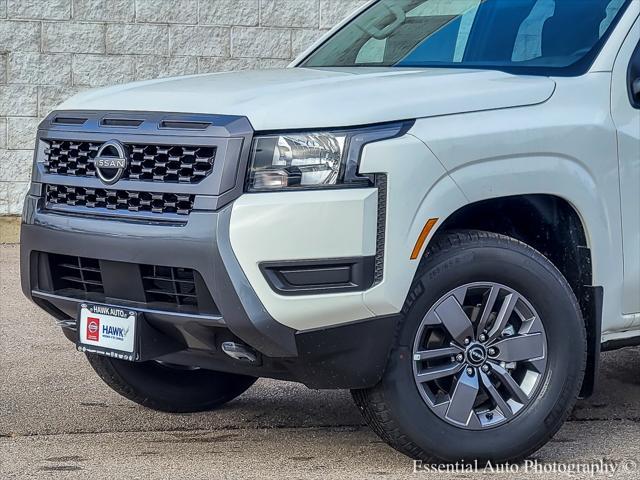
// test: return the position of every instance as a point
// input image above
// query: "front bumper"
(321, 358)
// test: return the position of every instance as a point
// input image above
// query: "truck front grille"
(147, 163)
(132, 201)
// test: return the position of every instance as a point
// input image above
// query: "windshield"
(536, 36)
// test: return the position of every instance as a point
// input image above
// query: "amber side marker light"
(423, 237)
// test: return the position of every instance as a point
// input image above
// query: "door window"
(633, 78)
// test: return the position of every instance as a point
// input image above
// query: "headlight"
(297, 160)
(313, 160)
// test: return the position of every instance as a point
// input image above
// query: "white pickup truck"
(436, 206)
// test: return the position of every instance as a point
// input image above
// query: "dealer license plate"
(107, 330)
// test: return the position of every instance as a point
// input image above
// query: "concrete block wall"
(51, 49)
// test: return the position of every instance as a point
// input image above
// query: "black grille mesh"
(75, 273)
(152, 163)
(169, 284)
(131, 201)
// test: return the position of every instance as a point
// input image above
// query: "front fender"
(566, 147)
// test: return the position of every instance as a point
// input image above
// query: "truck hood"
(297, 98)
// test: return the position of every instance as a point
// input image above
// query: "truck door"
(625, 105)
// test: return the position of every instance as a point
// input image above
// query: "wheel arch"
(554, 227)
(548, 223)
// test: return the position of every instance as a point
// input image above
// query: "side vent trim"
(184, 125)
(121, 122)
(69, 121)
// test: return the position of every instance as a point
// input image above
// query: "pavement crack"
(607, 419)
(352, 427)
(13, 435)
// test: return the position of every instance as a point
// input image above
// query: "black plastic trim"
(621, 343)
(381, 232)
(185, 125)
(59, 120)
(121, 122)
(317, 277)
(350, 356)
(591, 303)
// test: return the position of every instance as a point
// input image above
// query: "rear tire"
(419, 424)
(169, 389)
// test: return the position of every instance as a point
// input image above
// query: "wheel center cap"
(476, 355)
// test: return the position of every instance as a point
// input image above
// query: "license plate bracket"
(109, 330)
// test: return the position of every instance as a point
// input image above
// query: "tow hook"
(239, 352)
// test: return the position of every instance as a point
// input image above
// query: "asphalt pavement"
(57, 420)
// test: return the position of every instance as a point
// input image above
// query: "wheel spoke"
(488, 308)
(539, 365)
(510, 384)
(436, 353)
(455, 319)
(506, 309)
(460, 293)
(431, 319)
(463, 398)
(520, 348)
(435, 373)
(495, 395)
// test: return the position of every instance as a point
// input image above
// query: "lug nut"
(467, 341)
(485, 368)
(459, 357)
(483, 337)
(492, 351)
(470, 372)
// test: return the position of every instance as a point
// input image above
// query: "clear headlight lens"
(314, 159)
(297, 160)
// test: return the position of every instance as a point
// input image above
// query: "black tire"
(169, 389)
(395, 409)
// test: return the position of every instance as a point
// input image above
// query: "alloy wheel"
(479, 355)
